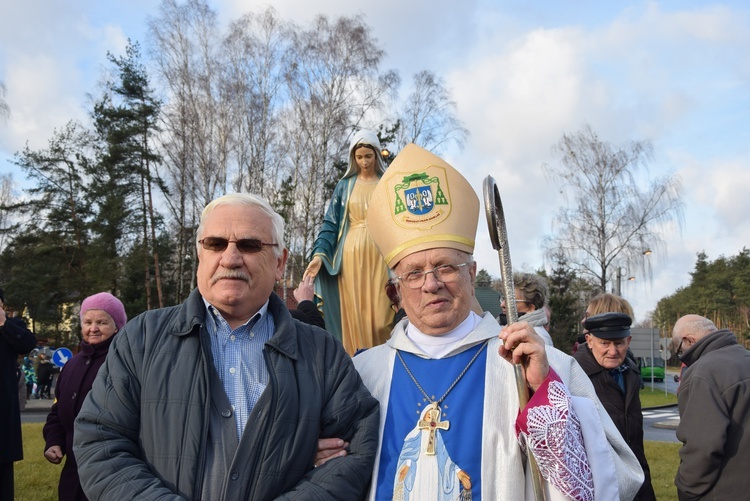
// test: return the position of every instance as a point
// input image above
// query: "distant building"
(489, 300)
(642, 340)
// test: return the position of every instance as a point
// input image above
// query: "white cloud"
(729, 185)
(56, 56)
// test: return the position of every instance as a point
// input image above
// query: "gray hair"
(698, 326)
(533, 288)
(247, 200)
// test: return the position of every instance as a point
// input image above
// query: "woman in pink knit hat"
(102, 316)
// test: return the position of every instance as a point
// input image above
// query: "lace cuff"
(551, 429)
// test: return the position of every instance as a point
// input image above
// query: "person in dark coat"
(15, 339)
(102, 315)
(714, 407)
(45, 371)
(224, 397)
(617, 381)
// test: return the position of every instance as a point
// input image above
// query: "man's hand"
(2, 314)
(329, 448)
(522, 345)
(54, 454)
(305, 291)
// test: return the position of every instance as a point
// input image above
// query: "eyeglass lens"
(244, 245)
(445, 273)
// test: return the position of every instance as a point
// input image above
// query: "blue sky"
(522, 74)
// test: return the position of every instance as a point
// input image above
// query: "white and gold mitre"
(421, 203)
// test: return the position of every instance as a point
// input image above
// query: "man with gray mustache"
(224, 396)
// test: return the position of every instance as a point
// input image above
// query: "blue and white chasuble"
(406, 471)
(482, 412)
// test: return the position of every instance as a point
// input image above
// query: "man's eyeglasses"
(445, 273)
(680, 349)
(244, 245)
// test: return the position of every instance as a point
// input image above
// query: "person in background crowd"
(29, 376)
(348, 270)
(21, 387)
(617, 381)
(531, 296)
(15, 339)
(224, 397)
(306, 310)
(393, 297)
(714, 405)
(45, 371)
(102, 316)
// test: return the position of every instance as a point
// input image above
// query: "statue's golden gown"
(366, 315)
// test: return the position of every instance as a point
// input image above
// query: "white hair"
(247, 200)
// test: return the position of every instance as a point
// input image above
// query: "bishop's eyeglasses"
(445, 273)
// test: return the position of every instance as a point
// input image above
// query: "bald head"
(691, 328)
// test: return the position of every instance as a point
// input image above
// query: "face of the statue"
(364, 156)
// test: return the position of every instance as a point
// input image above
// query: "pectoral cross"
(432, 423)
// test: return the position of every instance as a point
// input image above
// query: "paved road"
(36, 411)
(660, 424)
(668, 381)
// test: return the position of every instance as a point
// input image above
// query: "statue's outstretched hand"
(313, 268)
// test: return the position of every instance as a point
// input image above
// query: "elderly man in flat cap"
(450, 422)
(617, 381)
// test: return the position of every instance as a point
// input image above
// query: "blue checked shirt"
(238, 358)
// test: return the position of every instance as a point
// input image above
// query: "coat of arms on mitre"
(421, 197)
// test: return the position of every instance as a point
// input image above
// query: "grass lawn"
(36, 478)
(656, 398)
(662, 457)
(663, 460)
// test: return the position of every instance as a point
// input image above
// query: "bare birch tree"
(188, 52)
(610, 219)
(429, 115)
(7, 199)
(185, 48)
(254, 76)
(4, 108)
(334, 83)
